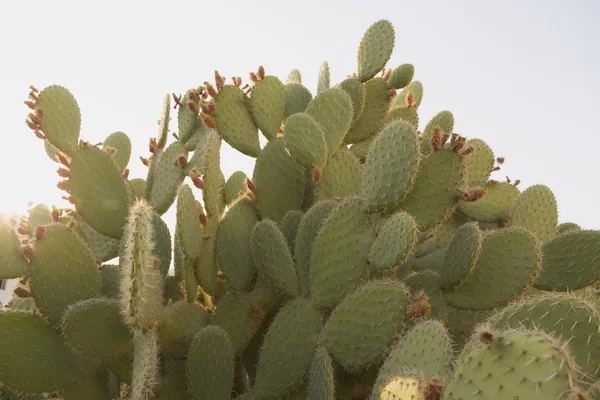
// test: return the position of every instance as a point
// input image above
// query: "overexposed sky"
(522, 75)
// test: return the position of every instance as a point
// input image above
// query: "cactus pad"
(377, 100)
(321, 384)
(235, 315)
(479, 163)
(188, 223)
(297, 98)
(341, 177)
(401, 76)
(267, 103)
(178, 326)
(121, 145)
(354, 89)
(462, 255)
(332, 110)
(495, 204)
(395, 240)
(165, 177)
(304, 139)
(12, 261)
(536, 210)
(61, 121)
(375, 49)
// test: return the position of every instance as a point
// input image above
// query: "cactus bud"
(177, 100)
(500, 160)
(211, 90)
(39, 134)
(63, 172)
(125, 173)
(261, 72)
(63, 185)
(253, 77)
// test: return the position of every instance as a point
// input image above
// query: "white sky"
(523, 76)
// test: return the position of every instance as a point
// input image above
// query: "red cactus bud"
(473, 194)
(126, 173)
(63, 185)
(23, 230)
(202, 219)
(28, 252)
(39, 232)
(63, 172)
(55, 214)
(63, 160)
(250, 185)
(211, 90)
(316, 172)
(152, 145)
(33, 126)
(261, 72)
(181, 161)
(145, 161)
(500, 160)
(253, 77)
(409, 99)
(33, 96)
(209, 121)
(192, 107)
(198, 182)
(177, 100)
(39, 135)
(30, 104)
(219, 80)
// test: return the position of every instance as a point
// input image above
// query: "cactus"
(362, 259)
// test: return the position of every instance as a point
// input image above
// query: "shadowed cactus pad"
(12, 261)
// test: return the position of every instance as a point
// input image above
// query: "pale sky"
(522, 75)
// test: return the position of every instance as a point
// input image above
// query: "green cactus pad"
(94, 328)
(172, 290)
(321, 383)
(565, 316)
(515, 364)
(103, 247)
(391, 166)
(479, 163)
(267, 103)
(173, 385)
(279, 181)
(187, 117)
(62, 260)
(462, 255)
(354, 89)
(360, 149)
(146, 363)
(38, 215)
(396, 238)
(162, 244)
(233, 244)
(510, 260)
(272, 257)
(434, 194)
(341, 177)
(444, 120)
(188, 223)
(235, 122)
(163, 124)
(61, 122)
(165, 177)
(375, 50)
(235, 315)
(206, 267)
(294, 77)
(110, 279)
(92, 387)
(409, 115)
(180, 323)
(121, 145)
(461, 323)
(401, 76)
(324, 79)
(570, 261)
(567, 227)
(304, 139)
(426, 348)
(362, 326)
(139, 187)
(427, 281)
(309, 227)
(235, 187)
(495, 204)
(332, 110)
(99, 191)
(338, 260)
(13, 263)
(214, 181)
(377, 100)
(297, 98)
(414, 90)
(198, 160)
(289, 227)
(287, 349)
(35, 357)
(210, 365)
(439, 236)
(536, 210)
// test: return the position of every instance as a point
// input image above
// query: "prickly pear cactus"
(364, 258)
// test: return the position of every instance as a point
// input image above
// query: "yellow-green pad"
(287, 349)
(321, 380)
(163, 124)
(165, 177)
(332, 110)
(294, 77)
(50, 150)
(310, 225)
(180, 323)
(444, 120)
(61, 122)
(186, 117)
(440, 235)
(35, 357)
(297, 98)
(267, 103)
(235, 315)
(38, 215)
(13, 263)
(433, 195)
(401, 76)
(362, 326)
(235, 122)
(62, 261)
(139, 187)
(324, 79)
(341, 177)
(509, 261)
(99, 191)
(305, 140)
(495, 204)
(162, 244)
(536, 210)
(360, 149)
(339, 256)
(188, 223)
(206, 268)
(518, 364)
(570, 261)
(377, 100)
(480, 162)
(391, 166)
(375, 50)
(462, 255)
(121, 144)
(103, 247)
(354, 88)
(233, 244)
(567, 227)
(414, 90)
(235, 187)
(94, 327)
(426, 348)
(279, 181)
(289, 227)
(272, 257)
(214, 181)
(409, 115)
(395, 239)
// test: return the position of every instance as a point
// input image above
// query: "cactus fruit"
(369, 255)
